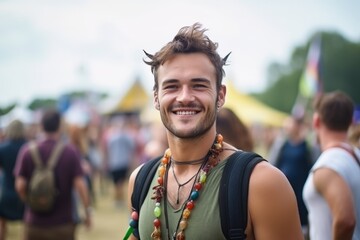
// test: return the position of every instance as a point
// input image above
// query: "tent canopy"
(250, 110)
(135, 99)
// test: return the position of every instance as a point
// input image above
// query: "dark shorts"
(60, 232)
(11, 207)
(119, 175)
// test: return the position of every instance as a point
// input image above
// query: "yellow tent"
(250, 110)
(134, 100)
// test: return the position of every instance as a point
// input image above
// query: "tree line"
(339, 69)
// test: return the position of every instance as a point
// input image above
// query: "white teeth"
(186, 113)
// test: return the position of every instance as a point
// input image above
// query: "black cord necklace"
(180, 185)
(192, 162)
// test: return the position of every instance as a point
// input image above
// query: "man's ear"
(156, 102)
(316, 120)
(221, 97)
(157, 105)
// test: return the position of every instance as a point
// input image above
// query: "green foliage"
(281, 95)
(85, 94)
(339, 70)
(53, 103)
(42, 103)
(341, 66)
(5, 110)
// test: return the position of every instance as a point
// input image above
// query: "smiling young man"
(182, 200)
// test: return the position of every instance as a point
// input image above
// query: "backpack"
(233, 191)
(42, 190)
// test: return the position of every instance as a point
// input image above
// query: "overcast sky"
(50, 47)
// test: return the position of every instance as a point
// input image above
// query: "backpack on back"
(42, 188)
(233, 191)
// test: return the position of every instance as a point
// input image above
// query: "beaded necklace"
(159, 190)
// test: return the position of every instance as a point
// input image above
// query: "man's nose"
(185, 95)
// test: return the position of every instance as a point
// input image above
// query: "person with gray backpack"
(47, 171)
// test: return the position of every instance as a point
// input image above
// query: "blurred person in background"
(354, 132)
(234, 130)
(157, 143)
(332, 190)
(77, 124)
(11, 206)
(292, 154)
(354, 135)
(137, 131)
(2, 134)
(77, 137)
(59, 222)
(119, 153)
(95, 158)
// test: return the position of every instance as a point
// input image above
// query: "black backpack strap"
(142, 184)
(233, 193)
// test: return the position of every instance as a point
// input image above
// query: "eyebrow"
(169, 81)
(196, 80)
(203, 80)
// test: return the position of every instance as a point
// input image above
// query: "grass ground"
(109, 222)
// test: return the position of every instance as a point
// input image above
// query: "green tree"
(341, 65)
(339, 70)
(42, 103)
(7, 109)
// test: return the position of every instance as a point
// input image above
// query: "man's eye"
(170, 87)
(199, 86)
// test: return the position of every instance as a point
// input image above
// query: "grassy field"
(109, 222)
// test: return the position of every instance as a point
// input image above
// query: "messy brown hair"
(335, 110)
(189, 39)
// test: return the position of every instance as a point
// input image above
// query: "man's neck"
(190, 149)
(52, 136)
(330, 138)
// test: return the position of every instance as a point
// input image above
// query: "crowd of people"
(306, 185)
(104, 153)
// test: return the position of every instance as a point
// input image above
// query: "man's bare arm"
(339, 198)
(20, 186)
(272, 206)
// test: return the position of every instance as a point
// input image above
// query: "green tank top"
(204, 221)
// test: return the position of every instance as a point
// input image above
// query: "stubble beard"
(200, 129)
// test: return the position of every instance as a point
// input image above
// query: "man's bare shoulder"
(272, 204)
(131, 185)
(263, 172)
(268, 181)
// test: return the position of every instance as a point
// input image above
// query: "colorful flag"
(310, 84)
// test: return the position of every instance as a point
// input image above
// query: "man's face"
(187, 96)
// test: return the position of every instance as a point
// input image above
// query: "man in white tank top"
(332, 190)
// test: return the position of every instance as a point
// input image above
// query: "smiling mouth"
(185, 113)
